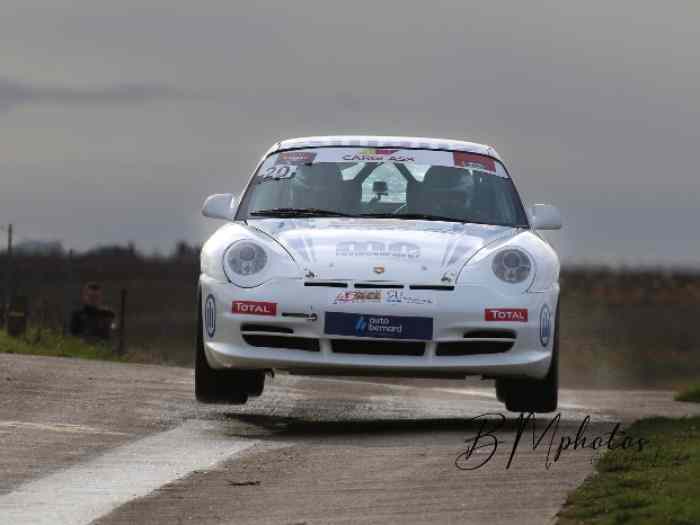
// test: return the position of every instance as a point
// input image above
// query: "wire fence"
(152, 297)
(633, 328)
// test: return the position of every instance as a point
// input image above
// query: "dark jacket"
(91, 321)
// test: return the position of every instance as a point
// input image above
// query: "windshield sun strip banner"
(285, 163)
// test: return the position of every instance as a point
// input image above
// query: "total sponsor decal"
(254, 308)
(378, 155)
(400, 250)
(506, 314)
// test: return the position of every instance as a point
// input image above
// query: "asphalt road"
(96, 442)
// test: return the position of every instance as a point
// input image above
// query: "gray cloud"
(14, 94)
(592, 104)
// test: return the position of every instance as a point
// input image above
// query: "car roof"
(374, 141)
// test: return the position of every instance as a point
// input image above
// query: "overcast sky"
(118, 118)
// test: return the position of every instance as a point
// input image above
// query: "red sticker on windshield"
(295, 158)
(467, 160)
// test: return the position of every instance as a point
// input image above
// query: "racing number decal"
(210, 316)
(279, 172)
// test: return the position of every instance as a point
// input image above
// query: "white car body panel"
(413, 251)
(311, 258)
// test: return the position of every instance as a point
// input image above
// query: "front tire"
(222, 386)
(533, 395)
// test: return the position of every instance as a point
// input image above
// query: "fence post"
(7, 298)
(67, 293)
(122, 324)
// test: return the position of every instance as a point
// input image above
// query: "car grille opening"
(379, 285)
(348, 346)
(287, 343)
(435, 287)
(249, 327)
(477, 342)
(458, 348)
(490, 334)
(327, 284)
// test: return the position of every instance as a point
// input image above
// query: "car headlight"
(244, 258)
(512, 266)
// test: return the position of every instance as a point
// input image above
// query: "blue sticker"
(361, 326)
(379, 326)
(210, 316)
(545, 325)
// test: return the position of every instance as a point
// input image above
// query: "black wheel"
(222, 386)
(501, 390)
(533, 395)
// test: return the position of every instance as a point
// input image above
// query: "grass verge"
(658, 486)
(689, 394)
(54, 344)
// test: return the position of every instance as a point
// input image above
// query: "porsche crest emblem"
(378, 270)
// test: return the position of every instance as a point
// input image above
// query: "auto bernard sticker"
(379, 326)
(545, 325)
(210, 315)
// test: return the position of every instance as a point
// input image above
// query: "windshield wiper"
(298, 212)
(415, 216)
(429, 217)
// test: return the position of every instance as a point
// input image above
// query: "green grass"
(658, 486)
(691, 393)
(54, 344)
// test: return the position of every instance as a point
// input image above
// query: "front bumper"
(302, 309)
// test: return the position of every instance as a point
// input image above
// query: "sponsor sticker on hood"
(399, 250)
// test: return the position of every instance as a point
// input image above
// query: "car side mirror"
(545, 217)
(220, 206)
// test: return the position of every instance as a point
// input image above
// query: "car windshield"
(384, 183)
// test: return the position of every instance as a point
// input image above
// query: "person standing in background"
(92, 320)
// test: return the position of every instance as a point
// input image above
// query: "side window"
(387, 183)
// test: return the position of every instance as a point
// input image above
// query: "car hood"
(407, 251)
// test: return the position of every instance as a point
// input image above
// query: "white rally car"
(361, 255)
